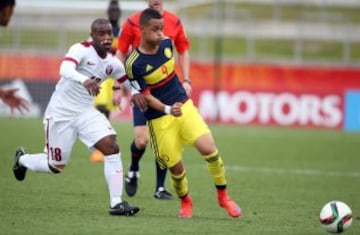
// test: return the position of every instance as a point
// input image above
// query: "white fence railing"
(65, 17)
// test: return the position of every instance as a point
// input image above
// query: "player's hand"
(13, 101)
(140, 101)
(187, 87)
(92, 86)
(176, 109)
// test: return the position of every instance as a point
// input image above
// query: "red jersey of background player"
(173, 28)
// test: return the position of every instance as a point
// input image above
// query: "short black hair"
(149, 14)
(113, 5)
(98, 21)
(4, 3)
(114, 2)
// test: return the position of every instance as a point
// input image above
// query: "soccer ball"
(336, 216)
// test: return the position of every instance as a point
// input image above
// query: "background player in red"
(129, 39)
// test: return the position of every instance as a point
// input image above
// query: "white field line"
(283, 171)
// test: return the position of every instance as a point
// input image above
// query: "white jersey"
(70, 97)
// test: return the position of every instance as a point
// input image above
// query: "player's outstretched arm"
(13, 101)
(68, 70)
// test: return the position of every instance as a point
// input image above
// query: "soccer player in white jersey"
(70, 114)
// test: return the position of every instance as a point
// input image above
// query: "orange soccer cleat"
(230, 206)
(186, 207)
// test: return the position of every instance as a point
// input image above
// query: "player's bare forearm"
(184, 59)
(156, 104)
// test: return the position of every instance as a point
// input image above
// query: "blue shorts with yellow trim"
(169, 133)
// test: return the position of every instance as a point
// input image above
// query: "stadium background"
(257, 66)
(283, 63)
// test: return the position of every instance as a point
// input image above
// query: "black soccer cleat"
(162, 194)
(131, 183)
(123, 208)
(19, 170)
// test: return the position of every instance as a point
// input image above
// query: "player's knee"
(141, 141)
(111, 148)
(208, 151)
(114, 148)
(141, 137)
(178, 169)
(108, 145)
(205, 145)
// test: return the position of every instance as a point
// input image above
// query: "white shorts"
(89, 127)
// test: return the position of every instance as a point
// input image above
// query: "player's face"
(102, 36)
(156, 5)
(5, 15)
(114, 13)
(153, 31)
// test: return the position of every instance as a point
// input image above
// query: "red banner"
(35, 68)
(284, 95)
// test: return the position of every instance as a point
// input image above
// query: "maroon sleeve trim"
(72, 60)
(122, 79)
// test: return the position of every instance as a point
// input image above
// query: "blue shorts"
(138, 117)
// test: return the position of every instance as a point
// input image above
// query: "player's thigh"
(165, 140)
(93, 126)
(60, 138)
(192, 124)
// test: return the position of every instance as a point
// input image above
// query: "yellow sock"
(180, 184)
(216, 168)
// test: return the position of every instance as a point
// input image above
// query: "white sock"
(113, 171)
(35, 162)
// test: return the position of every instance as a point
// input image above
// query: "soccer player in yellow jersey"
(172, 118)
(129, 39)
(106, 101)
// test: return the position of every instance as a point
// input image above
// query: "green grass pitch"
(280, 177)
